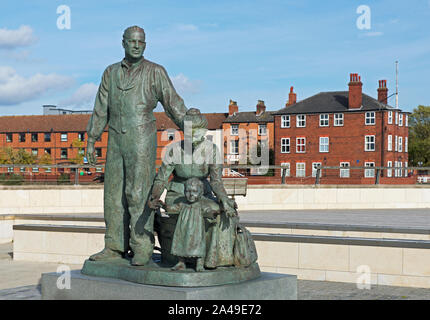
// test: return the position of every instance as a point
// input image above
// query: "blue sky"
(215, 51)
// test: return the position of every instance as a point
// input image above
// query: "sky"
(214, 51)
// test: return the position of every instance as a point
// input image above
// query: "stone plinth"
(269, 286)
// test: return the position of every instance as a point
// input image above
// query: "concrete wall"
(89, 199)
(395, 266)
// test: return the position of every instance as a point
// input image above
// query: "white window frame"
(396, 143)
(234, 144)
(400, 120)
(390, 143)
(10, 169)
(35, 169)
(389, 171)
(324, 147)
(301, 170)
(285, 143)
(400, 144)
(301, 144)
(48, 170)
(285, 121)
(314, 169)
(406, 120)
(368, 144)
(396, 119)
(301, 121)
(234, 130)
(369, 173)
(370, 118)
(324, 120)
(390, 117)
(406, 144)
(287, 167)
(63, 137)
(338, 119)
(262, 132)
(22, 169)
(406, 170)
(344, 173)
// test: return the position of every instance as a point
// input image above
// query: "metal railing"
(269, 174)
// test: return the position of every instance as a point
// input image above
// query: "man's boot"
(106, 254)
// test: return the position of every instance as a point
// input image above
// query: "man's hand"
(155, 203)
(90, 154)
(229, 206)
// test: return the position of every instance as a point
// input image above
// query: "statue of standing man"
(128, 93)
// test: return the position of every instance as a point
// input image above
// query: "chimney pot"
(383, 92)
(292, 97)
(260, 107)
(355, 94)
(232, 108)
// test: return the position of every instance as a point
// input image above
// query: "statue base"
(157, 274)
(269, 286)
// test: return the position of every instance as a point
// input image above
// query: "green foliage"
(9, 155)
(64, 178)
(79, 159)
(11, 179)
(419, 136)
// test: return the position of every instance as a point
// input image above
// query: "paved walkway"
(404, 218)
(22, 273)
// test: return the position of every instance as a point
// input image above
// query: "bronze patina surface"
(202, 243)
(157, 274)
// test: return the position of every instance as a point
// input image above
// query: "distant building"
(342, 129)
(54, 110)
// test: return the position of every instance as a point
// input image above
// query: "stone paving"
(405, 218)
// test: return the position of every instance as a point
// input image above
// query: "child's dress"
(189, 237)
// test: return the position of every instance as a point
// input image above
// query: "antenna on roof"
(397, 84)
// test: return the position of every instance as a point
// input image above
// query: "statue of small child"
(189, 238)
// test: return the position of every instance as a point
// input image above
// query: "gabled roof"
(250, 116)
(331, 102)
(78, 122)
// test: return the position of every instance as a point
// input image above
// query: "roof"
(331, 102)
(78, 122)
(250, 116)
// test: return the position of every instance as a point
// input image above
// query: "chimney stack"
(292, 97)
(383, 92)
(355, 97)
(232, 108)
(260, 107)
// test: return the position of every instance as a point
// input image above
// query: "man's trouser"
(129, 174)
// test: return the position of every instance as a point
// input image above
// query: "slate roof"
(78, 122)
(331, 102)
(250, 116)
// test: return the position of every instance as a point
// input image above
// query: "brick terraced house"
(343, 129)
(62, 137)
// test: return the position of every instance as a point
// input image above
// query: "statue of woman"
(220, 235)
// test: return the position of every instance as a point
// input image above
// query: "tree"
(9, 155)
(419, 136)
(79, 159)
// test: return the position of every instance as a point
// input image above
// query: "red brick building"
(341, 128)
(63, 137)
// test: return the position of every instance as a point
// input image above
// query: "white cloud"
(15, 89)
(11, 39)
(184, 85)
(187, 27)
(84, 96)
(374, 34)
